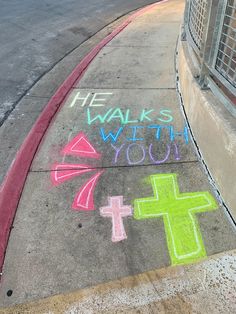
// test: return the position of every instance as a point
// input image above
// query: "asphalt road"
(35, 35)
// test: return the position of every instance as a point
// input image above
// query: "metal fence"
(197, 13)
(226, 56)
(210, 29)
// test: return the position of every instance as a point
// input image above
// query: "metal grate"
(197, 16)
(226, 57)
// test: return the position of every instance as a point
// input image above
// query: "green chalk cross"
(178, 210)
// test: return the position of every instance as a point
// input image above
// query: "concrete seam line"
(13, 183)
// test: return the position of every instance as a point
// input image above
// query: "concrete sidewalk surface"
(117, 190)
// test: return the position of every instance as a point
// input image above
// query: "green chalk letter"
(178, 210)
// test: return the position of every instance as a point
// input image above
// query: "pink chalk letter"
(116, 210)
(84, 198)
(64, 172)
(80, 146)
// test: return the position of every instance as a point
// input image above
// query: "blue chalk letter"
(110, 135)
(134, 132)
(184, 133)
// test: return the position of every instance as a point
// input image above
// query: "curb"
(182, 289)
(13, 183)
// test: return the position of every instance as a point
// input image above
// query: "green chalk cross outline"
(182, 230)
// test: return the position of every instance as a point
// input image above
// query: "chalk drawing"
(97, 118)
(135, 147)
(176, 151)
(134, 137)
(116, 211)
(183, 133)
(117, 114)
(171, 132)
(110, 136)
(127, 118)
(144, 115)
(161, 161)
(84, 198)
(77, 98)
(64, 172)
(166, 113)
(95, 101)
(80, 146)
(61, 172)
(178, 210)
(161, 132)
(132, 162)
(124, 116)
(117, 152)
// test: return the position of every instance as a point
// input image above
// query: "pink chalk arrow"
(84, 198)
(80, 146)
(64, 172)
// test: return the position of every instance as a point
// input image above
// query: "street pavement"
(117, 187)
(37, 41)
(37, 35)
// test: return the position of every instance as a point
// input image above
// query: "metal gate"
(210, 29)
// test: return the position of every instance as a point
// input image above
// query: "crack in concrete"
(125, 88)
(114, 167)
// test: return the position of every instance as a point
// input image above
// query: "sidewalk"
(117, 189)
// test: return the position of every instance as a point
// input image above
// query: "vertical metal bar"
(213, 42)
(186, 20)
(204, 52)
(224, 64)
(231, 57)
(217, 32)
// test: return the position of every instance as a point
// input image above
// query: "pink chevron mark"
(80, 146)
(64, 172)
(116, 210)
(84, 198)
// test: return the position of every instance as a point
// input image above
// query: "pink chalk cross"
(116, 210)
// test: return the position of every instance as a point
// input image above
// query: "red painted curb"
(12, 186)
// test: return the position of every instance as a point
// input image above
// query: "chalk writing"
(171, 131)
(161, 131)
(116, 211)
(99, 118)
(178, 210)
(142, 152)
(94, 102)
(124, 116)
(117, 152)
(159, 161)
(134, 137)
(136, 147)
(122, 130)
(113, 137)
